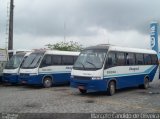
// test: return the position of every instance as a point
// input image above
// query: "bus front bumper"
(10, 78)
(30, 80)
(89, 85)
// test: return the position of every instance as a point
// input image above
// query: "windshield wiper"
(32, 61)
(91, 64)
(81, 64)
(38, 61)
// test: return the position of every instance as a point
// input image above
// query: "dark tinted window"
(111, 60)
(147, 59)
(130, 59)
(67, 60)
(47, 61)
(56, 60)
(139, 59)
(154, 59)
(120, 58)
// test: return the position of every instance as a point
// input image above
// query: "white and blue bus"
(15, 51)
(11, 70)
(108, 67)
(46, 68)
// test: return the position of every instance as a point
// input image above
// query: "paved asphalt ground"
(63, 99)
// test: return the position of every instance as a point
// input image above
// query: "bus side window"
(154, 59)
(56, 60)
(47, 61)
(130, 59)
(67, 60)
(139, 59)
(147, 59)
(111, 60)
(120, 59)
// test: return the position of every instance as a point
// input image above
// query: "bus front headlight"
(72, 77)
(14, 74)
(33, 74)
(96, 78)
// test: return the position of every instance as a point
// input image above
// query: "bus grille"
(6, 74)
(82, 78)
(24, 75)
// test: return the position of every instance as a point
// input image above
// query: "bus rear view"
(107, 68)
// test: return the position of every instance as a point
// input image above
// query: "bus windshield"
(32, 61)
(15, 61)
(90, 59)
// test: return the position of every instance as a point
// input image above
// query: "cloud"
(48, 17)
(121, 22)
(103, 36)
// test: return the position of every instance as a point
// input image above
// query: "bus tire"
(83, 91)
(146, 83)
(47, 82)
(111, 88)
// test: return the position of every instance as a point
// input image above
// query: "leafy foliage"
(65, 46)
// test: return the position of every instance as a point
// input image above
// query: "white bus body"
(15, 51)
(11, 70)
(47, 67)
(107, 67)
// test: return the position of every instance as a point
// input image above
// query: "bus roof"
(133, 50)
(24, 53)
(58, 52)
(122, 49)
(98, 47)
(19, 50)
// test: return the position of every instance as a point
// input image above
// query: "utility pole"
(10, 34)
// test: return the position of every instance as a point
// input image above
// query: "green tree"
(65, 46)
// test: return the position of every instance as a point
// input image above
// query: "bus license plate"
(24, 82)
(81, 87)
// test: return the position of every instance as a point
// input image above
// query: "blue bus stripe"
(120, 75)
(56, 72)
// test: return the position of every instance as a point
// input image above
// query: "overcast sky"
(89, 22)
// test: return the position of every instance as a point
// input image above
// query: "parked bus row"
(43, 68)
(5, 55)
(96, 68)
(11, 70)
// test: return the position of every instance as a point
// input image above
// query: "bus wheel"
(111, 88)
(82, 91)
(146, 83)
(47, 82)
